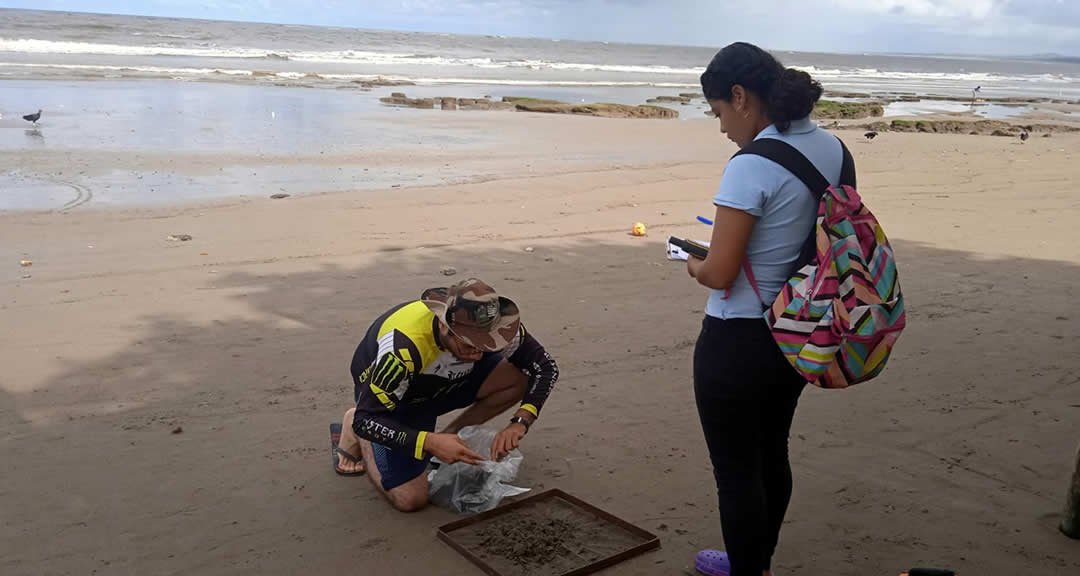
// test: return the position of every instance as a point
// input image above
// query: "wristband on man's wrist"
(520, 420)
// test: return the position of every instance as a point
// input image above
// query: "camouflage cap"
(475, 313)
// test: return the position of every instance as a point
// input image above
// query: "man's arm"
(530, 357)
(533, 360)
(374, 419)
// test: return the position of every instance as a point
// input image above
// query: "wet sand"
(959, 456)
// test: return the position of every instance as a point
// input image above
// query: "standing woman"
(746, 390)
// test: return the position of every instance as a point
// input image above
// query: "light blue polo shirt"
(785, 212)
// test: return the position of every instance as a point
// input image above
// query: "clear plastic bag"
(466, 488)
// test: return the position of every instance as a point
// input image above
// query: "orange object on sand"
(639, 229)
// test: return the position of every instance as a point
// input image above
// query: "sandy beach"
(116, 337)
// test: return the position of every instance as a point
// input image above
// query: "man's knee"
(510, 376)
(408, 499)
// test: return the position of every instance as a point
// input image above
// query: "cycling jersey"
(400, 366)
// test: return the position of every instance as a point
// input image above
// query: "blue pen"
(704, 220)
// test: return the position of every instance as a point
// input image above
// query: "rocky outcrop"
(603, 110)
(399, 99)
(523, 99)
(669, 99)
(382, 82)
(973, 127)
(841, 94)
(832, 110)
(483, 104)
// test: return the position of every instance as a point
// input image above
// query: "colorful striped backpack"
(839, 316)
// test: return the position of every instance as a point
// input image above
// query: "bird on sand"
(33, 117)
(1024, 136)
(870, 135)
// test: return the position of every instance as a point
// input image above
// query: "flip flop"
(337, 454)
(712, 563)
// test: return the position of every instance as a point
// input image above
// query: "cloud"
(992, 26)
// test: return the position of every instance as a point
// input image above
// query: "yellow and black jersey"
(400, 365)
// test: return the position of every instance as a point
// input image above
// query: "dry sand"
(958, 456)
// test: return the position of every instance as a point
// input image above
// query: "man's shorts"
(398, 467)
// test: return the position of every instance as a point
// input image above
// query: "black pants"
(746, 396)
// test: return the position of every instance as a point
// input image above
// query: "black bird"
(870, 135)
(1024, 136)
(33, 117)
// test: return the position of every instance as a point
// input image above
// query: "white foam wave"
(133, 69)
(159, 35)
(192, 73)
(865, 77)
(31, 46)
(406, 60)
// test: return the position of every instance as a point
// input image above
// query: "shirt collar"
(801, 126)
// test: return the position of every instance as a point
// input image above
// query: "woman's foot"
(712, 563)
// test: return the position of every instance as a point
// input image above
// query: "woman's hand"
(693, 265)
(727, 248)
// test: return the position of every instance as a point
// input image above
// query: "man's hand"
(450, 448)
(507, 440)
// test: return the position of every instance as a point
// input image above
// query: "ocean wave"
(871, 78)
(194, 73)
(426, 68)
(159, 35)
(135, 69)
(404, 60)
(33, 46)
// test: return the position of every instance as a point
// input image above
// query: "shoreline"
(146, 143)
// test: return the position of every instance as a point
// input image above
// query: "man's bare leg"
(350, 443)
(409, 497)
(503, 389)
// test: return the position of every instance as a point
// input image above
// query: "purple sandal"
(712, 563)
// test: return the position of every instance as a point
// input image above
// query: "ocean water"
(181, 90)
(44, 45)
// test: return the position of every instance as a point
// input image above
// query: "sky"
(916, 26)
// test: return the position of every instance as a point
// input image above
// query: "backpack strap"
(802, 168)
(847, 169)
(791, 160)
